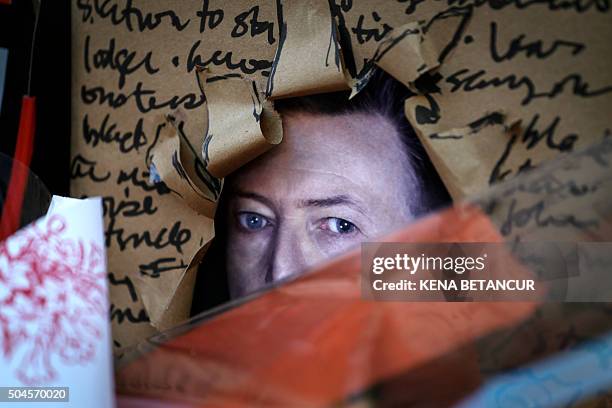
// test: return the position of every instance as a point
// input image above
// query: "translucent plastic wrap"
(316, 342)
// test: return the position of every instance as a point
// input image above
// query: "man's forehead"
(350, 131)
(325, 142)
(329, 154)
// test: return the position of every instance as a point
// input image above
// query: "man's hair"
(383, 96)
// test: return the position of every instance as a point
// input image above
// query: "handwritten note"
(501, 88)
(134, 62)
(137, 102)
(525, 83)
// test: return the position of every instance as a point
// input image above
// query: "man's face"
(332, 183)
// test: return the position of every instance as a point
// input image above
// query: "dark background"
(50, 85)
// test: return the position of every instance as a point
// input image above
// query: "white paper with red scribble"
(54, 327)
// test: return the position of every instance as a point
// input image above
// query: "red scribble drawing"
(52, 299)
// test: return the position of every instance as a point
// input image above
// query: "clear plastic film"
(315, 341)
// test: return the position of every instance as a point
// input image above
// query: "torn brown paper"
(235, 125)
(448, 161)
(241, 123)
(551, 78)
(368, 31)
(177, 161)
(308, 59)
(133, 64)
(169, 299)
(179, 166)
(409, 51)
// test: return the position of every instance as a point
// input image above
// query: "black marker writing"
(534, 214)
(138, 178)
(466, 81)
(84, 168)
(219, 58)
(125, 281)
(108, 133)
(366, 34)
(156, 268)
(128, 208)
(128, 15)
(530, 49)
(209, 18)
(120, 315)
(532, 136)
(175, 237)
(144, 99)
(412, 5)
(580, 6)
(121, 60)
(247, 22)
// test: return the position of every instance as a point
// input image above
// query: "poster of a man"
(347, 171)
(315, 203)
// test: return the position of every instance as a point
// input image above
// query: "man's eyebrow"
(331, 201)
(254, 196)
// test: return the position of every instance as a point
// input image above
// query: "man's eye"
(252, 221)
(339, 225)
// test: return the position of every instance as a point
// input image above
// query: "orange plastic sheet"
(316, 342)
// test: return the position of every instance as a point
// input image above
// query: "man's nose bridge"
(292, 252)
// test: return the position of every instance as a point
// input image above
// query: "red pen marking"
(52, 300)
